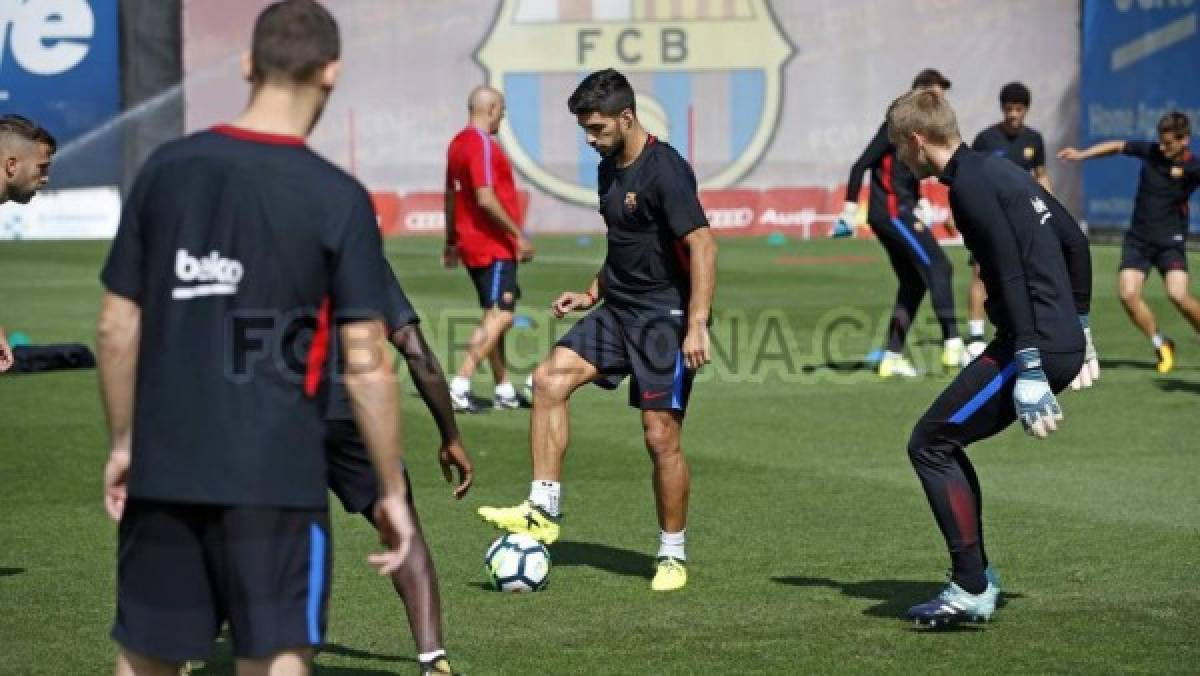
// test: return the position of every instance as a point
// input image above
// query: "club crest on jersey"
(1029, 152)
(630, 201)
(695, 88)
(1176, 172)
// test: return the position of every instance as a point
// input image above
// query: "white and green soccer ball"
(517, 563)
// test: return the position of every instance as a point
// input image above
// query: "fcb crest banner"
(766, 99)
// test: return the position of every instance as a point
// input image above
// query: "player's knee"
(1128, 294)
(918, 445)
(503, 319)
(550, 383)
(1178, 294)
(662, 440)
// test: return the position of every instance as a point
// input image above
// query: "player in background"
(229, 242)
(657, 287)
(352, 478)
(1011, 139)
(914, 253)
(482, 231)
(25, 153)
(1035, 263)
(1158, 235)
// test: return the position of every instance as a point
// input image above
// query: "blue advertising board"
(59, 66)
(1140, 60)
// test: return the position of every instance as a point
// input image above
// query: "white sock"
(892, 355)
(460, 386)
(505, 390)
(671, 544)
(426, 658)
(953, 343)
(1157, 340)
(546, 494)
(975, 327)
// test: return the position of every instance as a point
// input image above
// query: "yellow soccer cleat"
(1166, 356)
(896, 366)
(670, 574)
(525, 518)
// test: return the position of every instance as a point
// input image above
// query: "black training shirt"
(648, 207)
(1024, 149)
(894, 189)
(398, 314)
(231, 241)
(1160, 209)
(1033, 257)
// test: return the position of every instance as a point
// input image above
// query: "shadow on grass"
(839, 366)
(603, 557)
(895, 596)
(1142, 364)
(1172, 385)
(346, 651)
(6, 572)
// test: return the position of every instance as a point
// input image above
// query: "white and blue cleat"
(954, 605)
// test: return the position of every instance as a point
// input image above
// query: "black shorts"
(351, 474)
(979, 403)
(650, 352)
(1138, 254)
(496, 285)
(183, 570)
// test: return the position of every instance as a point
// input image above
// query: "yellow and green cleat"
(670, 574)
(525, 518)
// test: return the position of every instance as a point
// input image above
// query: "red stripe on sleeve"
(318, 352)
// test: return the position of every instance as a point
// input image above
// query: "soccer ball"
(517, 563)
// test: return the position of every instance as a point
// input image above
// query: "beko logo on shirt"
(212, 275)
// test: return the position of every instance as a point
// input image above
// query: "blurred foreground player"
(657, 285)
(352, 478)
(1158, 235)
(1036, 266)
(229, 241)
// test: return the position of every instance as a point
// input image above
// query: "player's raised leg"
(554, 381)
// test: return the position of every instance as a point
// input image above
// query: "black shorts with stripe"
(183, 570)
(496, 285)
(650, 351)
(979, 402)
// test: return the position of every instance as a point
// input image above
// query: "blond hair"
(926, 112)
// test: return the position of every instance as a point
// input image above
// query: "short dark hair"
(930, 77)
(605, 91)
(25, 128)
(1175, 123)
(293, 41)
(1015, 92)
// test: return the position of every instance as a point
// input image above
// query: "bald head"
(485, 107)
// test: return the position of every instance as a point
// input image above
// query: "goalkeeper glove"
(844, 227)
(1037, 409)
(1090, 372)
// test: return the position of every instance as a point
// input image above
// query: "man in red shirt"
(482, 231)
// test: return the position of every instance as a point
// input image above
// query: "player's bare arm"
(430, 380)
(6, 356)
(1042, 176)
(118, 330)
(1102, 149)
(486, 197)
(571, 301)
(703, 249)
(372, 389)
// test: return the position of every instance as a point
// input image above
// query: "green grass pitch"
(809, 534)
